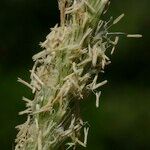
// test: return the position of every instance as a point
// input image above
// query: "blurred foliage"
(123, 119)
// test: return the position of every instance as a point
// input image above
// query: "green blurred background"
(123, 120)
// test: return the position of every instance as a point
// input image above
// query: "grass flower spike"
(72, 59)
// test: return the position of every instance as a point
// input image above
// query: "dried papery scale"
(73, 57)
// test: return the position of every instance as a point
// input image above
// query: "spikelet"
(72, 59)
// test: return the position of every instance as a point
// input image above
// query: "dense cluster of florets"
(73, 56)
